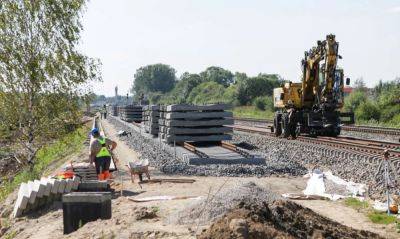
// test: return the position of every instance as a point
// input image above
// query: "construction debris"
(168, 180)
(162, 198)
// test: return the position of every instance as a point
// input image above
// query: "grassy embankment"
(50, 154)
(252, 112)
(373, 215)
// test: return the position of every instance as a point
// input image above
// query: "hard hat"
(386, 153)
(94, 131)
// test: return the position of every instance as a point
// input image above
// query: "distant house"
(347, 90)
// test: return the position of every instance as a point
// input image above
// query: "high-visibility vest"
(103, 151)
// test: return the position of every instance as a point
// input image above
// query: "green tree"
(367, 111)
(153, 78)
(207, 92)
(218, 75)
(42, 75)
(253, 87)
(183, 87)
(354, 99)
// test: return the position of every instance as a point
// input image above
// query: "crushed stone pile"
(220, 202)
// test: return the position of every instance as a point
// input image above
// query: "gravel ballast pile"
(220, 202)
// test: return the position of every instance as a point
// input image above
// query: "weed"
(155, 209)
(355, 203)
(381, 218)
(10, 235)
(57, 150)
(252, 112)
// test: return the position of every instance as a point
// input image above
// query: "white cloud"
(394, 9)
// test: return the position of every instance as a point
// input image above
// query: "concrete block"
(93, 186)
(41, 187)
(198, 115)
(189, 138)
(186, 107)
(61, 187)
(46, 182)
(196, 123)
(32, 192)
(68, 185)
(80, 208)
(196, 131)
(22, 200)
(56, 185)
(76, 183)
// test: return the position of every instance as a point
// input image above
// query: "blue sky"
(250, 36)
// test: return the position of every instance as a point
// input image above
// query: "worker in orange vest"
(100, 154)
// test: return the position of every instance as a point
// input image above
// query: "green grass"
(355, 203)
(252, 112)
(381, 218)
(67, 145)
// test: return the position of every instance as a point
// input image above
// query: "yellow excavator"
(312, 106)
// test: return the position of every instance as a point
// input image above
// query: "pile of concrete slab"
(34, 194)
(195, 123)
(151, 115)
(130, 113)
(113, 110)
(83, 170)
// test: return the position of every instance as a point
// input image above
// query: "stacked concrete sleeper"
(151, 115)
(195, 123)
(130, 113)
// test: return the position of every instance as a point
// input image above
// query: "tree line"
(160, 85)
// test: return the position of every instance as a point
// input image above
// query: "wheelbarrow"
(139, 168)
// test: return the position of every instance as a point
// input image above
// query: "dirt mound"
(280, 219)
(224, 199)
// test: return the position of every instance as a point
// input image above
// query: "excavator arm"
(311, 93)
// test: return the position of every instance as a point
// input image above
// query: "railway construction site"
(213, 176)
(236, 139)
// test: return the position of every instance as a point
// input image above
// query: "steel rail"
(372, 147)
(356, 128)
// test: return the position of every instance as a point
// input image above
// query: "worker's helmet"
(94, 131)
(386, 153)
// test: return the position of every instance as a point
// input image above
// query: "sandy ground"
(125, 222)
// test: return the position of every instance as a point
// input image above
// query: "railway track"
(356, 145)
(356, 128)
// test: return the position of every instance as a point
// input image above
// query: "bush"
(207, 92)
(354, 100)
(367, 111)
(264, 103)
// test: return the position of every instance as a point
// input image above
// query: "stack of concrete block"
(34, 194)
(131, 113)
(83, 170)
(112, 110)
(195, 123)
(151, 115)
